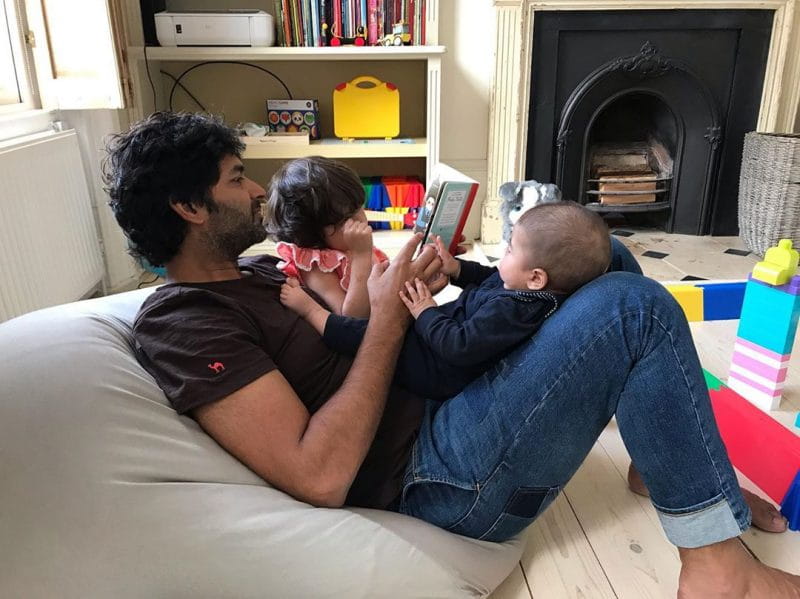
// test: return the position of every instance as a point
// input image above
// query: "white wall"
(93, 127)
(466, 28)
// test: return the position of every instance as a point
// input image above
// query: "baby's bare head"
(569, 242)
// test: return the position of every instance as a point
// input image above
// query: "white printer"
(233, 27)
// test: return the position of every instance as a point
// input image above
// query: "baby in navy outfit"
(554, 249)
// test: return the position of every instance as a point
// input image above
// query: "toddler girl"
(316, 214)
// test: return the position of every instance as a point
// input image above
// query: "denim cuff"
(711, 524)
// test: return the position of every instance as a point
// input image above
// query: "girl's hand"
(450, 266)
(358, 236)
(417, 299)
(293, 297)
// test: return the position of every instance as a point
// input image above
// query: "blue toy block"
(790, 506)
(769, 317)
(723, 301)
(797, 420)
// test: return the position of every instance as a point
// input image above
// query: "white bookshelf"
(410, 144)
(189, 54)
(337, 148)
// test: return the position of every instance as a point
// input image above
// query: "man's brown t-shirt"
(203, 341)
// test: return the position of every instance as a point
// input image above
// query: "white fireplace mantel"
(510, 94)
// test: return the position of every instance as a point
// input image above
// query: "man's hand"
(386, 281)
(358, 236)
(437, 283)
(450, 266)
(417, 298)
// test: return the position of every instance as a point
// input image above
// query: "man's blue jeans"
(489, 461)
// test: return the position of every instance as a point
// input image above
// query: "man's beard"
(232, 231)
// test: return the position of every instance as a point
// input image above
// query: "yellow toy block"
(779, 264)
(691, 300)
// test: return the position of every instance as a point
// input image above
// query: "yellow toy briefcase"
(366, 107)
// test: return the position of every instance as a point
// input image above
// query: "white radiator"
(49, 249)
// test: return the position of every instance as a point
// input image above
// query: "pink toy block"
(756, 394)
(762, 449)
(755, 351)
(759, 368)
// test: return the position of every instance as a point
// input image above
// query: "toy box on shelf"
(292, 116)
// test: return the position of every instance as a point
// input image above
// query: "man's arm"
(316, 458)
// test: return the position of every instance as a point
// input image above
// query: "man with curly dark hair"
(164, 169)
(333, 431)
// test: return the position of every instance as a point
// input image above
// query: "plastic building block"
(757, 394)
(797, 420)
(764, 450)
(790, 506)
(691, 300)
(779, 264)
(758, 374)
(723, 301)
(769, 317)
(713, 382)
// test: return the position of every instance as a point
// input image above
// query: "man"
(331, 432)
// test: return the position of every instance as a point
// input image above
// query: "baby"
(554, 250)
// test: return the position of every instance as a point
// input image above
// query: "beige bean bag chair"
(106, 492)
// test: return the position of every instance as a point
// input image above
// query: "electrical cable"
(188, 93)
(150, 79)
(201, 64)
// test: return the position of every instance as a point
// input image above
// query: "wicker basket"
(769, 190)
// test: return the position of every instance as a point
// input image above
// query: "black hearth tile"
(652, 254)
(736, 252)
(693, 278)
(492, 259)
(621, 233)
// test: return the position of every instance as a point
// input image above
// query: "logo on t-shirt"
(217, 367)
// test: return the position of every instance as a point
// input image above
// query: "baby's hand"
(358, 236)
(450, 266)
(293, 297)
(417, 299)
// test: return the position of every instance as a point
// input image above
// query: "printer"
(232, 27)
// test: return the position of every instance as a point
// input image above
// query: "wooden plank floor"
(598, 539)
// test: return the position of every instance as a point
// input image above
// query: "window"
(61, 54)
(15, 81)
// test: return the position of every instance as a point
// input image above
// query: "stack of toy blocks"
(767, 328)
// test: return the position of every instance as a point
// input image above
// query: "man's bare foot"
(766, 516)
(726, 570)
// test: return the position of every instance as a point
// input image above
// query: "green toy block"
(712, 382)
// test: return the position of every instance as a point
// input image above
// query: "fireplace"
(644, 112)
(630, 156)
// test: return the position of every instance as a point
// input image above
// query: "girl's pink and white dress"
(296, 260)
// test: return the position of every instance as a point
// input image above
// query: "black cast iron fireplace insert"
(646, 111)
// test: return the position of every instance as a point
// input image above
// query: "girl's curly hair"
(167, 158)
(308, 194)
